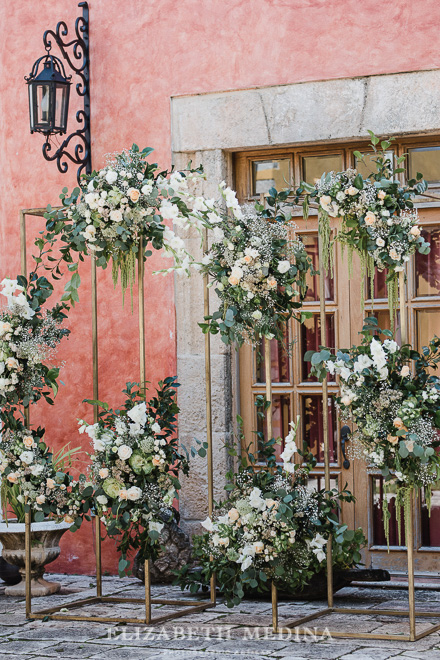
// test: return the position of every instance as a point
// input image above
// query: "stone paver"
(242, 633)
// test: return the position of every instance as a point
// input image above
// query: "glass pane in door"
(268, 174)
(428, 325)
(311, 244)
(430, 521)
(427, 266)
(378, 530)
(280, 420)
(280, 360)
(314, 166)
(425, 160)
(311, 339)
(313, 432)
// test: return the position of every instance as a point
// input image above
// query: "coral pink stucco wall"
(142, 53)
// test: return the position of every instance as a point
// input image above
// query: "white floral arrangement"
(117, 207)
(271, 527)
(27, 342)
(135, 467)
(389, 393)
(379, 220)
(257, 268)
(33, 477)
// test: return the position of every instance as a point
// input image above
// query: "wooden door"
(295, 393)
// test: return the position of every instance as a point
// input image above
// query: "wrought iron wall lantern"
(49, 94)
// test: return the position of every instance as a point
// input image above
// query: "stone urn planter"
(45, 541)
(176, 553)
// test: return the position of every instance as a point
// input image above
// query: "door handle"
(345, 432)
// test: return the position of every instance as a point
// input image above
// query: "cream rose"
(40, 499)
(103, 473)
(271, 282)
(415, 231)
(381, 194)
(134, 493)
(393, 439)
(12, 477)
(68, 519)
(370, 219)
(398, 423)
(258, 547)
(233, 280)
(28, 441)
(123, 494)
(233, 515)
(12, 363)
(405, 371)
(50, 483)
(352, 190)
(133, 194)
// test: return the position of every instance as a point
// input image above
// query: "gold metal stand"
(297, 625)
(186, 607)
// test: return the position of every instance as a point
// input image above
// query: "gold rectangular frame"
(296, 624)
(188, 606)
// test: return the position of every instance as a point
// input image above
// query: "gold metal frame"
(187, 606)
(297, 624)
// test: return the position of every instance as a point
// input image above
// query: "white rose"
(247, 561)
(90, 198)
(256, 501)
(111, 176)
(257, 315)
(156, 428)
(390, 345)
(116, 215)
(147, 188)
(155, 526)
(27, 457)
(124, 452)
(101, 499)
(380, 242)
(283, 266)
(405, 371)
(138, 413)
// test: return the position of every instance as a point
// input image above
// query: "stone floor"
(217, 634)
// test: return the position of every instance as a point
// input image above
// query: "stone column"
(191, 363)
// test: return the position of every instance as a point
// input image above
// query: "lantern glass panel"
(31, 106)
(61, 102)
(43, 104)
